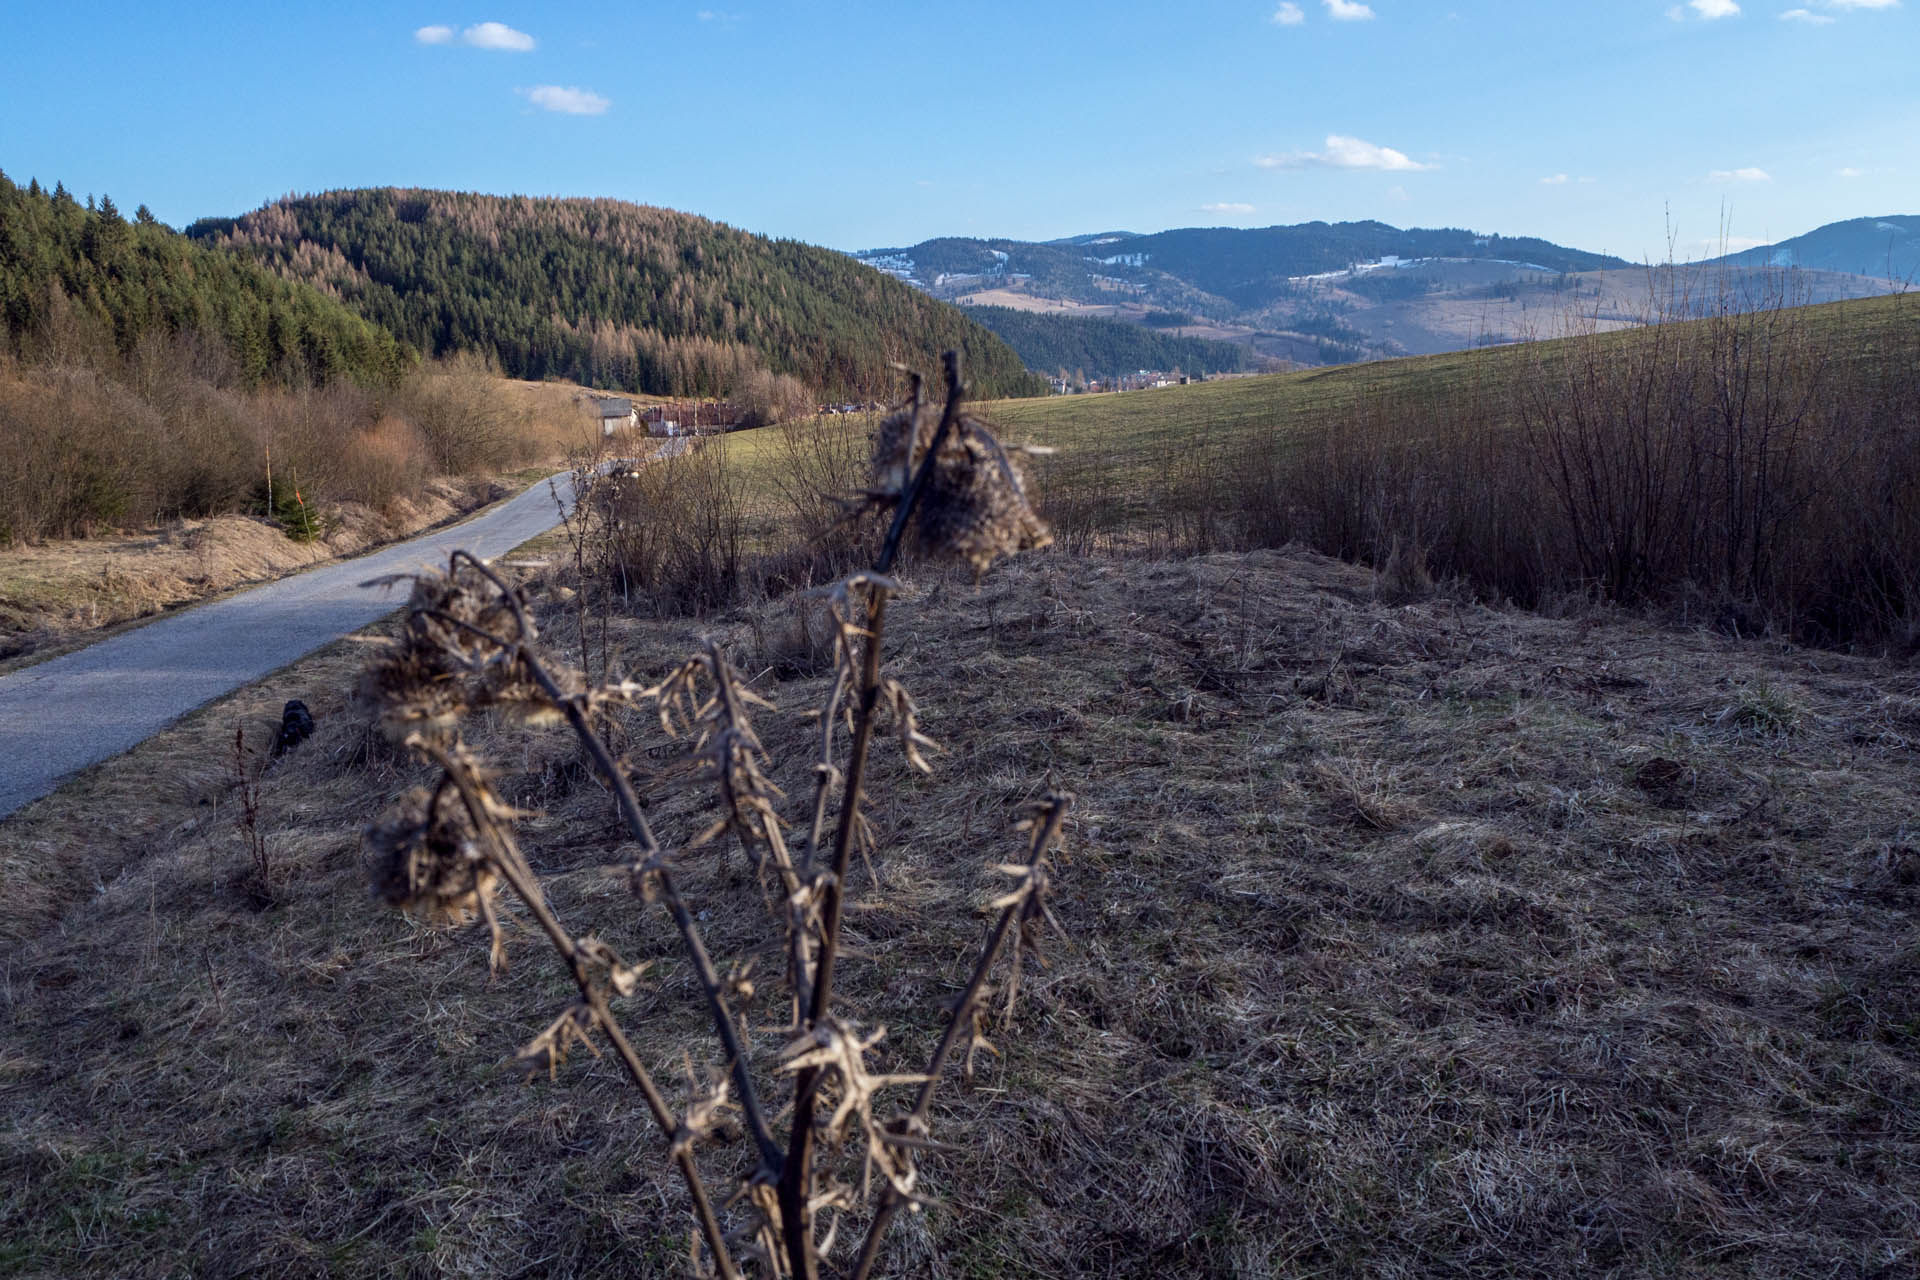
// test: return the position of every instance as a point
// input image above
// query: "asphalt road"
(62, 715)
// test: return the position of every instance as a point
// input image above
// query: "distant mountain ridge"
(1318, 293)
(1219, 272)
(612, 294)
(1885, 247)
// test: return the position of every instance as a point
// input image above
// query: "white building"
(617, 414)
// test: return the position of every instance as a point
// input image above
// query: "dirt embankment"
(59, 593)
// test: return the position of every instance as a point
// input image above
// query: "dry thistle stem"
(469, 643)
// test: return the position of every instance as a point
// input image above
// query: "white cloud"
(434, 35)
(1289, 15)
(496, 35)
(1345, 153)
(1712, 9)
(1347, 11)
(1557, 180)
(1860, 4)
(1805, 15)
(1748, 174)
(1849, 172)
(1226, 206)
(572, 102)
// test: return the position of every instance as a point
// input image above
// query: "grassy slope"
(1129, 423)
(1125, 444)
(1394, 950)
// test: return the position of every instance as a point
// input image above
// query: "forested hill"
(77, 278)
(1103, 348)
(612, 294)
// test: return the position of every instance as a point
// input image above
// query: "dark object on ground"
(296, 726)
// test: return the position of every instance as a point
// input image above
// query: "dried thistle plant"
(449, 851)
(973, 494)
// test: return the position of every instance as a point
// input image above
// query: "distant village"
(690, 417)
(1140, 380)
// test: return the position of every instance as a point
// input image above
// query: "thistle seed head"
(976, 503)
(427, 866)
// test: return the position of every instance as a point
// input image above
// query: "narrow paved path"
(67, 713)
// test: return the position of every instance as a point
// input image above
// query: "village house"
(617, 414)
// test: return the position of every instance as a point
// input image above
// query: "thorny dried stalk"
(469, 643)
(1024, 907)
(257, 880)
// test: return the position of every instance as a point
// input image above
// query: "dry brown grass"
(57, 594)
(1406, 940)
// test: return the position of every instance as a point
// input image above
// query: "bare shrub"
(466, 424)
(821, 466)
(764, 399)
(72, 447)
(255, 881)
(168, 431)
(673, 533)
(448, 852)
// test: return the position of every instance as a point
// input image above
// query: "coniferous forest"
(1102, 348)
(612, 294)
(74, 274)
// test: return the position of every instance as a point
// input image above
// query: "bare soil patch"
(1408, 937)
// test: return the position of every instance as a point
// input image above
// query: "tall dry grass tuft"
(470, 644)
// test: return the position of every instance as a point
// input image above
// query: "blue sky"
(861, 125)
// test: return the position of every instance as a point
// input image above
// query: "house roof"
(614, 407)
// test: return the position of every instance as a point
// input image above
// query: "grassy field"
(1131, 435)
(1761, 466)
(1404, 938)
